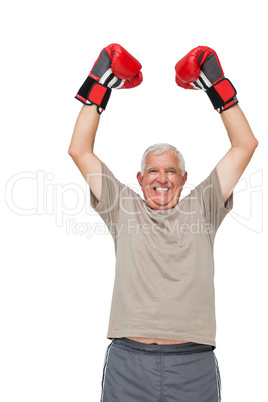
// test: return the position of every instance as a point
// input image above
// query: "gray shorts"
(136, 372)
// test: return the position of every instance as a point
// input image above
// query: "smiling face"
(162, 181)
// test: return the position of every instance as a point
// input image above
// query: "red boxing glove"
(114, 68)
(201, 69)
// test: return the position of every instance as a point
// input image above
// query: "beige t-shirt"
(164, 272)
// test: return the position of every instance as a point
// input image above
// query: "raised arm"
(243, 144)
(201, 69)
(81, 148)
(114, 68)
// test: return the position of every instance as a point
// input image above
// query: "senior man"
(162, 323)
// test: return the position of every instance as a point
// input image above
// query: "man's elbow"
(72, 152)
(75, 152)
(253, 145)
(256, 143)
(249, 147)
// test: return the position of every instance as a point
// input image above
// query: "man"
(162, 320)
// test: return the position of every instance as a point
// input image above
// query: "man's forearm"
(243, 144)
(238, 129)
(81, 148)
(85, 131)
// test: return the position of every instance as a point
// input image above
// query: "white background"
(56, 280)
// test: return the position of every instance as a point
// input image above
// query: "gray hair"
(159, 149)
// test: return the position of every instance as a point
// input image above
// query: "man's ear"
(140, 178)
(184, 178)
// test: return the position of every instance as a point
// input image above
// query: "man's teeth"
(161, 189)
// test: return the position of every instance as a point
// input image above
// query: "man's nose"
(162, 177)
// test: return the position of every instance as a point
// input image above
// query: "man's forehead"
(166, 167)
(166, 159)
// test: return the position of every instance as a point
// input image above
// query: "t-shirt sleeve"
(211, 201)
(108, 205)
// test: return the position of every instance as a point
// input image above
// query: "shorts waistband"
(179, 348)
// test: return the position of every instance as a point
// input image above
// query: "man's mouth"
(161, 189)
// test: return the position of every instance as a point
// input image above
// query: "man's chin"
(156, 204)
